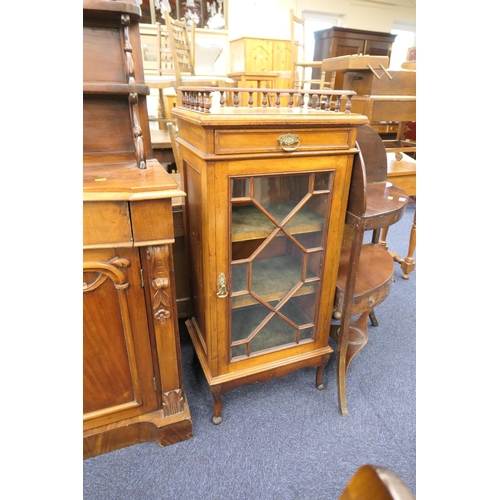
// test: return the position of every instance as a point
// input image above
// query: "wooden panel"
(228, 142)
(106, 125)
(106, 224)
(403, 173)
(117, 363)
(101, 65)
(402, 82)
(152, 221)
(386, 108)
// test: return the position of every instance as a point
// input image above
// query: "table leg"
(408, 265)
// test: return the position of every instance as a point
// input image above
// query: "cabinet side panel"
(195, 238)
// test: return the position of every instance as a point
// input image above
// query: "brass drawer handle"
(289, 142)
(221, 286)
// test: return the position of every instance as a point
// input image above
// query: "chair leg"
(162, 114)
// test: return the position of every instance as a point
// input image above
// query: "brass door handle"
(289, 142)
(221, 286)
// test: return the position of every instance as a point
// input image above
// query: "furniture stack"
(387, 97)
(132, 379)
(336, 42)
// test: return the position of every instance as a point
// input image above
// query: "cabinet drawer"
(267, 141)
(106, 224)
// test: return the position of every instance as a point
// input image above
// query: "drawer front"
(106, 224)
(152, 222)
(267, 141)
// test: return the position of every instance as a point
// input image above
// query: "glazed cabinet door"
(277, 250)
(117, 364)
(279, 226)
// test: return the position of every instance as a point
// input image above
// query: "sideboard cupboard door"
(117, 363)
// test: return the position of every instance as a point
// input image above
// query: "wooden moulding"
(152, 427)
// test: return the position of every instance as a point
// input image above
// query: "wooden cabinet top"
(353, 33)
(110, 6)
(230, 117)
(124, 181)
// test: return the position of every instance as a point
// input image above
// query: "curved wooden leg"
(357, 337)
(319, 373)
(216, 391)
(408, 265)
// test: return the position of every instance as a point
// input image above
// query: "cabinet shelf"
(249, 223)
(272, 279)
(246, 320)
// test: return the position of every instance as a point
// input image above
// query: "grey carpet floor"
(284, 439)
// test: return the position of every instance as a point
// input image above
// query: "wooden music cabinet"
(266, 194)
(132, 379)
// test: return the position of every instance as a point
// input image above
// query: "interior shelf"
(249, 223)
(246, 320)
(272, 279)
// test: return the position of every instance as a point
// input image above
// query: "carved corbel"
(157, 257)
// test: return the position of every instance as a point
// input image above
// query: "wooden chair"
(365, 269)
(301, 69)
(372, 482)
(165, 77)
(182, 42)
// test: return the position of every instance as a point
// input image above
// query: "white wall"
(270, 18)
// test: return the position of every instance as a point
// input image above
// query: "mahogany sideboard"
(132, 380)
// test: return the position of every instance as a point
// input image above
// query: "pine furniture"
(132, 378)
(266, 190)
(403, 173)
(255, 55)
(301, 67)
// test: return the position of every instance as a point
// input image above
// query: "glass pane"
(277, 232)
(240, 188)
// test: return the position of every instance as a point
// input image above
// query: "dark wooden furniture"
(335, 41)
(132, 379)
(372, 482)
(366, 269)
(266, 194)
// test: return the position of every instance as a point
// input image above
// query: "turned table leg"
(408, 265)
